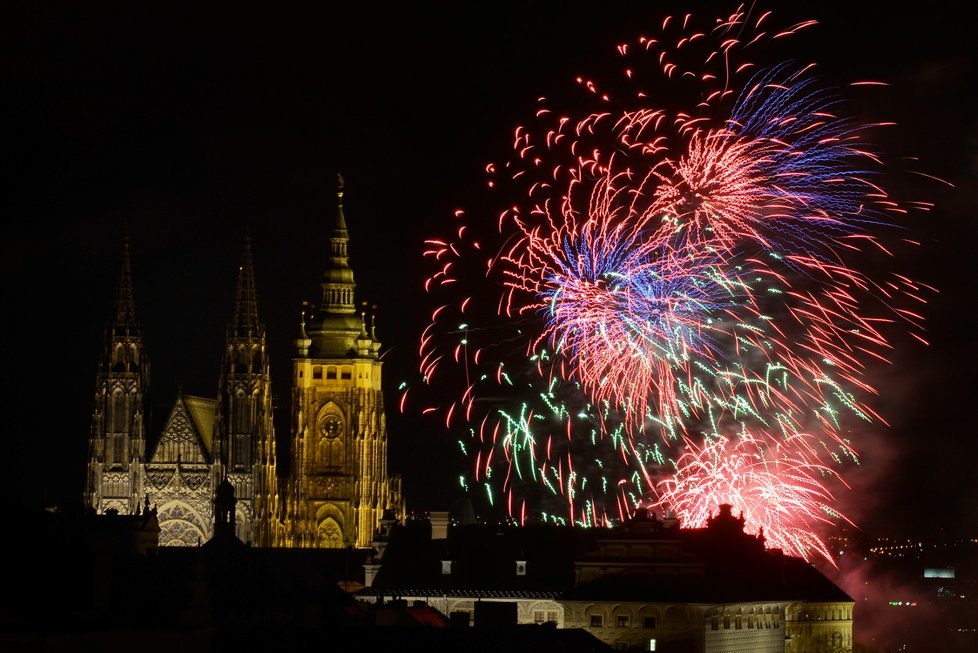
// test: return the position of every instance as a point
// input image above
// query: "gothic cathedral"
(335, 488)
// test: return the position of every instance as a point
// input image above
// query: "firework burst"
(676, 314)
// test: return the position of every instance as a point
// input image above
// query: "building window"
(715, 623)
(521, 567)
(738, 624)
(538, 616)
(726, 622)
(648, 622)
(118, 448)
(317, 373)
(330, 372)
(346, 374)
(446, 567)
(621, 621)
(119, 413)
(750, 621)
(596, 621)
(242, 414)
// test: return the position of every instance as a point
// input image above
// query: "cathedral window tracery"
(329, 449)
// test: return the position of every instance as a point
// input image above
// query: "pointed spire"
(375, 344)
(244, 316)
(125, 306)
(303, 342)
(363, 322)
(338, 281)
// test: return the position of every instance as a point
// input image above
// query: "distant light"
(931, 572)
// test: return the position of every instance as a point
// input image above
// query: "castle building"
(643, 585)
(336, 486)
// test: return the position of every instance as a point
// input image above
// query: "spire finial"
(302, 320)
(340, 229)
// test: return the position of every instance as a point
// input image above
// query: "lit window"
(596, 621)
(621, 621)
(538, 616)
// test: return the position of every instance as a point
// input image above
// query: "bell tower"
(117, 440)
(339, 484)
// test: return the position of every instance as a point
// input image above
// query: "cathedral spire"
(125, 306)
(117, 440)
(244, 316)
(338, 282)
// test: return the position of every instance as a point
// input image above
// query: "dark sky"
(189, 125)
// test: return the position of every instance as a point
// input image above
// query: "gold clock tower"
(339, 486)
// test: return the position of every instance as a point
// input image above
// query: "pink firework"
(670, 309)
(781, 498)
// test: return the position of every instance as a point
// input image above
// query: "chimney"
(370, 569)
(439, 524)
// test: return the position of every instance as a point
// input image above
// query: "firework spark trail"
(774, 494)
(678, 320)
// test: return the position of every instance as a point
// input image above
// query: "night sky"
(188, 125)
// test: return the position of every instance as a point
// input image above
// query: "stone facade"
(336, 487)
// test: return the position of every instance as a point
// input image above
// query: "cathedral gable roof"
(203, 412)
(188, 435)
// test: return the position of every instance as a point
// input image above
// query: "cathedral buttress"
(117, 440)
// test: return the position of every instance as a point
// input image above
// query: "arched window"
(242, 450)
(242, 413)
(118, 448)
(119, 413)
(330, 446)
(330, 534)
